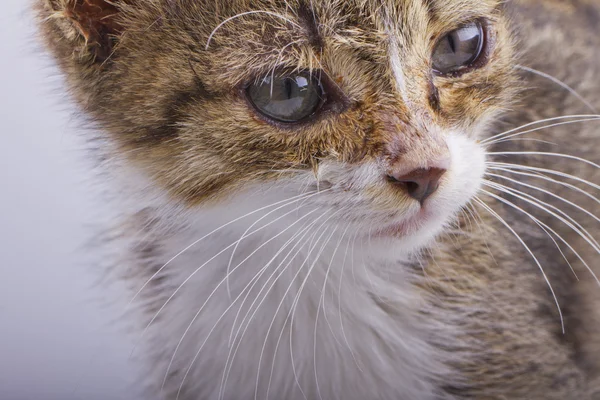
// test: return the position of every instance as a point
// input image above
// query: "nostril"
(412, 187)
(418, 184)
(409, 186)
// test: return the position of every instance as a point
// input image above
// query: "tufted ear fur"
(91, 27)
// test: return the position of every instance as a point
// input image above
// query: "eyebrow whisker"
(273, 14)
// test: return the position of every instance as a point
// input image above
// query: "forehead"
(302, 31)
(381, 14)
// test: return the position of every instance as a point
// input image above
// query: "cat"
(350, 199)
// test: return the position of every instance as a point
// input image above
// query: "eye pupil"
(452, 43)
(459, 49)
(288, 99)
(288, 88)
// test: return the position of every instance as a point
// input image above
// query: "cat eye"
(289, 98)
(459, 50)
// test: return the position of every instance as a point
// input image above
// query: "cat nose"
(420, 183)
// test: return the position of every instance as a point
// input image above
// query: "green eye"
(291, 98)
(459, 49)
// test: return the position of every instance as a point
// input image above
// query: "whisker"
(364, 262)
(530, 140)
(232, 357)
(210, 296)
(295, 306)
(539, 223)
(256, 310)
(548, 171)
(576, 227)
(559, 83)
(292, 199)
(499, 218)
(562, 216)
(208, 262)
(465, 216)
(306, 231)
(543, 226)
(322, 304)
(245, 234)
(547, 228)
(546, 192)
(541, 153)
(502, 139)
(269, 289)
(323, 297)
(541, 121)
(546, 178)
(289, 313)
(233, 338)
(273, 14)
(214, 326)
(479, 222)
(352, 256)
(340, 303)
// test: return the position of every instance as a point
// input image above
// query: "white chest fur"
(302, 310)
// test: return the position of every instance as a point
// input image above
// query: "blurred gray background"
(58, 341)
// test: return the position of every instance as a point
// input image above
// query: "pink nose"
(419, 183)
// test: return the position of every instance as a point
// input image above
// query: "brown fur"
(145, 71)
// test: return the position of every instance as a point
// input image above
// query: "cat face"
(381, 103)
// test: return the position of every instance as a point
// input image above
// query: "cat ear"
(92, 27)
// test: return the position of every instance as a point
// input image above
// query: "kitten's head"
(380, 102)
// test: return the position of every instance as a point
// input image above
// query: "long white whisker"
(559, 83)
(479, 222)
(548, 171)
(568, 221)
(352, 257)
(545, 228)
(248, 257)
(325, 281)
(322, 303)
(499, 218)
(245, 234)
(208, 262)
(502, 139)
(546, 192)
(561, 216)
(210, 296)
(257, 277)
(233, 352)
(289, 313)
(273, 14)
(546, 178)
(540, 153)
(364, 262)
(498, 135)
(233, 338)
(530, 140)
(290, 200)
(302, 244)
(295, 306)
(548, 228)
(340, 303)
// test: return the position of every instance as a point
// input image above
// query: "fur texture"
(300, 272)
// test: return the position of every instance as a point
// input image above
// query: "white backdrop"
(56, 341)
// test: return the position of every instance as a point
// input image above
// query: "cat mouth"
(409, 225)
